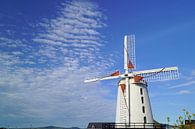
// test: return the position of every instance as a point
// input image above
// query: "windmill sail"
(101, 78)
(160, 74)
(131, 50)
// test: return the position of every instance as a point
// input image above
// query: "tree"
(185, 121)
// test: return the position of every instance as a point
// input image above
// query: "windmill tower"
(133, 103)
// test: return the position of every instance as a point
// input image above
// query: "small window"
(143, 109)
(142, 99)
(145, 120)
(141, 91)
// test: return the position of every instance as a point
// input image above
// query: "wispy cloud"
(188, 80)
(42, 77)
(182, 92)
(185, 84)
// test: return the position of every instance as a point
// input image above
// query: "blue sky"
(47, 49)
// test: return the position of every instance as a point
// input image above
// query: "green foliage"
(184, 122)
(168, 120)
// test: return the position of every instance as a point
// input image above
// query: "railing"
(127, 126)
(134, 125)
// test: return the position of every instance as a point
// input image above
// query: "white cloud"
(185, 84)
(43, 77)
(193, 73)
(188, 80)
(182, 92)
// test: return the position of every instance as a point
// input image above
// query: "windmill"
(133, 103)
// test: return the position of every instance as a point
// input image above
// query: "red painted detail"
(123, 87)
(116, 73)
(137, 78)
(130, 65)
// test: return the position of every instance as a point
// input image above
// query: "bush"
(184, 121)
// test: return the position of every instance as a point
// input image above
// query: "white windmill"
(133, 104)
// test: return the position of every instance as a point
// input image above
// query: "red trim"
(130, 65)
(123, 87)
(137, 78)
(116, 73)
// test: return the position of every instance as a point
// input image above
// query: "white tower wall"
(121, 112)
(140, 108)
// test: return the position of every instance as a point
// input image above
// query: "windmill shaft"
(128, 100)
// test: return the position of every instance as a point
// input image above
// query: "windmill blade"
(114, 75)
(131, 50)
(101, 78)
(160, 74)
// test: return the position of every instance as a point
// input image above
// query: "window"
(145, 119)
(142, 99)
(143, 109)
(141, 91)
